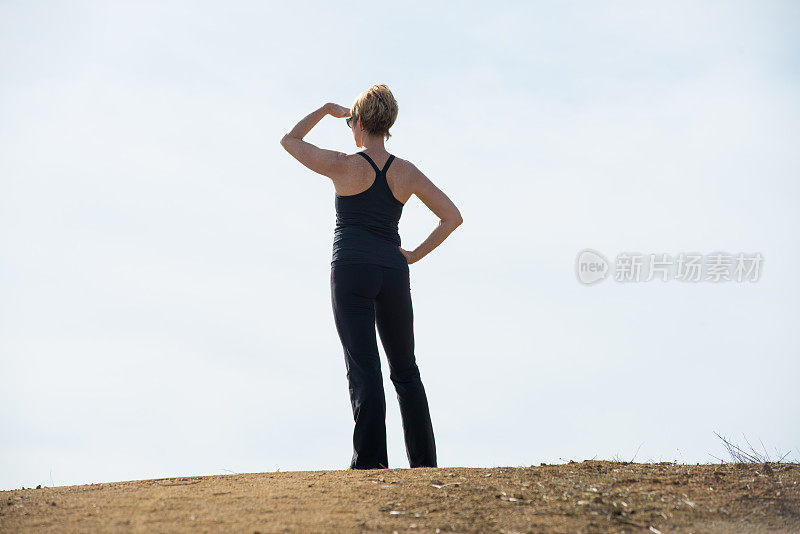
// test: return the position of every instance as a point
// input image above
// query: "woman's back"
(367, 223)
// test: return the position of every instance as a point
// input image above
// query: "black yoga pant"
(362, 295)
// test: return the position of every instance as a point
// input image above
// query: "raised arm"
(329, 163)
(439, 203)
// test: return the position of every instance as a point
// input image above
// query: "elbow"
(455, 222)
(285, 140)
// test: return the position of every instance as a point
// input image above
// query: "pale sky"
(164, 263)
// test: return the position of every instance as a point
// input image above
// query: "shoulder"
(412, 177)
(402, 167)
(348, 161)
(344, 164)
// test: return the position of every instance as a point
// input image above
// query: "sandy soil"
(591, 496)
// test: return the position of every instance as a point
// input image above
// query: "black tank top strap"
(377, 170)
(374, 166)
(388, 162)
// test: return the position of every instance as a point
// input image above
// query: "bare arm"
(329, 163)
(439, 203)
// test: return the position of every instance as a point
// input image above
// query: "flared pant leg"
(353, 290)
(395, 321)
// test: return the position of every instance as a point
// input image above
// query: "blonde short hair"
(378, 110)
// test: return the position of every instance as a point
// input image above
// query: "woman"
(370, 274)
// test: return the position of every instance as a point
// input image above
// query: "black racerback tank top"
(367, 224)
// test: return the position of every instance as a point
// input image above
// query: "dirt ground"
(590, 496)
